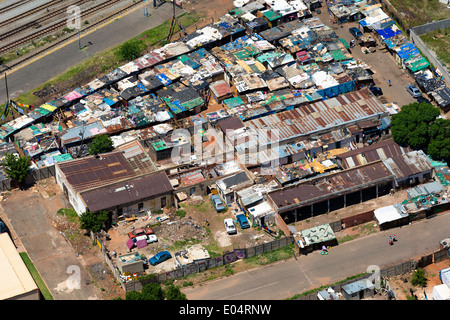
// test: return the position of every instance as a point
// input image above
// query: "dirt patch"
(403, 287)
(62, 218)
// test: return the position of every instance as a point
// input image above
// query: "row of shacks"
(373, 20)
(295, 76)
(300, 58)
(290, 75)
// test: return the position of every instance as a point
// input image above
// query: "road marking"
(244, 292)
(296, 261)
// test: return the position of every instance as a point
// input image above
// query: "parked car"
(422, 99)
(159, 257)
(2, 226)
(152, 238)
(229, 225)
(376, 91)
(243, 222)
(140, 232)
(217, 202)
(413, 90)
(355, 32)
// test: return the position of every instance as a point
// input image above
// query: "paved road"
(285, 279)
(57, 62)
(52, 256)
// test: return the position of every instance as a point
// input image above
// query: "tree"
(439, 147)
(17, 168)
(154, 291)
(419, 278)
(101, 144)
(410, 125)
(174, 293)
(418, 126)
(130, 50)
(93, 220)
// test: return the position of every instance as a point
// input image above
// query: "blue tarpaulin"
(387, 33)
(407, 50)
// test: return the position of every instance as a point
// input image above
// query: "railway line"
(49, 29)
(13, 6)
(30, 12)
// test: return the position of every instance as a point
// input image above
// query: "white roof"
(15, 279)
(441, 292)
(261, 209)
(386, 214)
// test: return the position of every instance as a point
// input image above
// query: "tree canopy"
(418, 126)
(101, 144)
(17, 168)
(130, 50)
(93, 220)
(154, 291)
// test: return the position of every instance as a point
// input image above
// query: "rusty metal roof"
(90, 172)
(331, 185)
(310, 118)
(137, 157)
(409, 164)
(378, 151)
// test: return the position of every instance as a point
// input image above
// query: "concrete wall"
(431, 56)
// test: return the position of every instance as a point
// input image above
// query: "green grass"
(439, 42)
(36, 276)
(70, 214)
(417, 12)
(297, 296)
(282, 253)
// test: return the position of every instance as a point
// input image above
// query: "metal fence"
(227, 258)
(398, 269)
(35, 175)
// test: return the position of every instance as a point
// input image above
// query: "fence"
(35, 175)
(415, 33)
(398, 269)
(358, 219)
(227, 258)
(108, 260)
(431, 56)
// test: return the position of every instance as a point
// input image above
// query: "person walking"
(389, 83)
(390, 241)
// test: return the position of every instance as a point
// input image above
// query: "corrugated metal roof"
(377, 151)
(309, 118)
(409, 164)
(126, 192)
(136, 156)
(323, 187)
(90, 172)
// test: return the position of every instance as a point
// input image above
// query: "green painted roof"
(271, 15)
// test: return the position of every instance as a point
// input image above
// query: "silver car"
(413, 90)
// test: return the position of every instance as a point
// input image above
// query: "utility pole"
(6, 86)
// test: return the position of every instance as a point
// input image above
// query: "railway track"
(13, 6)
(35, 22)
(30, 12)
(54, 27)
